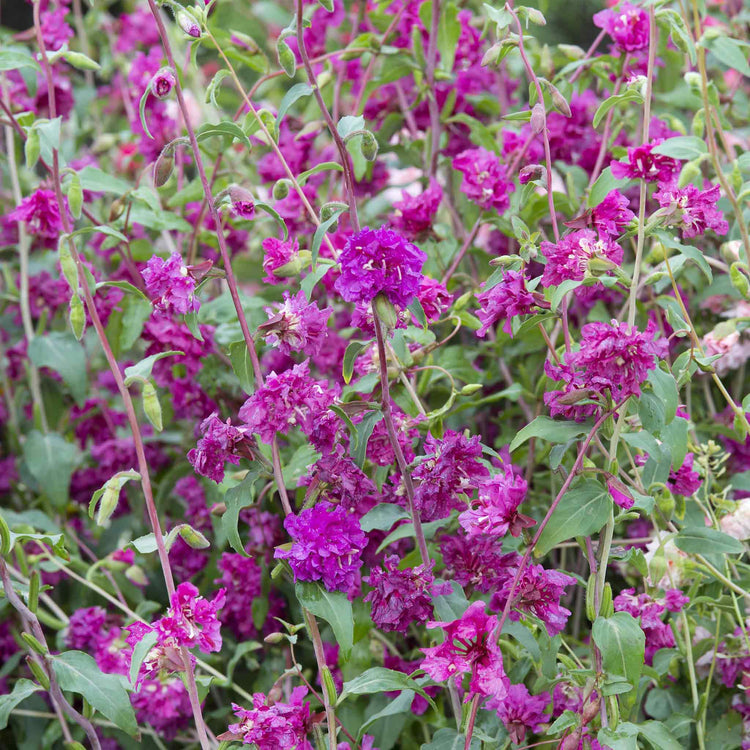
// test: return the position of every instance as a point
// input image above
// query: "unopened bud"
(535, 16)
(193, 538)
(38, 672)
(33, 643)
(281, 189)
(77, 316)
(136, 575)
(163, 82)
(532, 172)
(385, 310)
(188, 24)
(369, 146)
(560, 102)
(116, 209)
(329, 209)
(164, 166)
(590, 710)
(274, 638)
(151, 405)
(471, 388)
(242, 202)
(538, 118)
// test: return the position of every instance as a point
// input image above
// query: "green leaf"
(14, 59)
(140, 652)
(605, 183)
(380, 680)
(21, 690)
(62, 353)
(684, 147)
(98, 181)
(659, 736)
(274, 214)
(239, 356)
(321, 230)
(550, 430)
(699, 540)
(363, 430)
(382, 517)
(142, 111)
(334, 607)
(665, 388)
(631, 95)
(450, 607)
(622, 644)
(582, 511)
(236, 499)
(353, 350)
(399, 705)
(406, 531)
(295, 93)
(142, 370)
(79, 673)
(126, 286)
(322, 167)
(136, 312)
(730, 52)
(349, 123)
(226, 129)
(214, 86)
(448, 738)
(50, 460)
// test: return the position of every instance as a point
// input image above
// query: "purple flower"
(675, 600)
(241, 577)
(450, 466)
(217, 445)
(644, 164)
(281, 260)
(87, 629)
(412, 216)
(280, 726)
(684, 481)
(337, 478)
(693, 210)
(163, 82)
(296, 325)
(241, 202)
(521, 712)
(538, 593)
(495, 511)
(434, 298)
(469, 648)
(41, 214)
(55, 30)
(570, 257)
(622, 499)
(164, 705)
(193, 620)
(401, 597)
(292, 398)
(612, 215)
(477, 561)
(658, 633)
(170, 285)
(507, 299)
(327, 546)
(380, 261)
(484, 179)
(628, 26)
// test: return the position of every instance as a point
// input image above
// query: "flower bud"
(34, 644)
(116, 209)
(532, 172)
(242, 203)
(281, 189)
(163, 82)
(538, 118)
(385, 310)
(164, 167)
(471, 388)
(274, 638)
(188, 24)
(77, 316)
(560, 102)
(369, 146)
(151, 405)
(136, 576)
(38, 672)
(590, 710)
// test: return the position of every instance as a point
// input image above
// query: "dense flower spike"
(484, 179)
(327, 547)
(469, 648)
(380, 261)
(170, 285)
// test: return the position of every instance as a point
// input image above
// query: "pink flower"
(193, 620)
(413, 216)
(684, 481)
(569, 259)
(163, 82)
(296, 325)
(628, 26)
(281, 260)
(40, 212)
(612, 215)
(218, 444)
(434, 298)
(693, 210)
(622, 499)
(469, 648)
(170, 285)
(507, 299)
(484, 179)
(643, 164)
(521, 712)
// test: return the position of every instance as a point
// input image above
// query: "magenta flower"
(163, 82)
(170, 285)
(402, 597)
(241, 202)
(296, 325)
(217, 445)
(413, 216)
(292, 398)
(434, 298)
(484, 179)
(281, 261)
(684, 481)
(521, 712)
(612, 215)
(495, 511)
(477, 561)
(675, 600)
(650, 611)
(643, 164)
(506, 300)
(628, 26)
(569, 259)
(55, 30)
(469, 648)
(327, 546)
(538, 593)
(281, 726)
(380, 261)
(193, 620)
(41, 214)
(693, 210)
(451, 466)
(622, 499)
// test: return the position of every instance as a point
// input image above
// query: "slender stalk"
(393, 438)
(472, 718)
(642, 188)
(432, 104)
(460, 255)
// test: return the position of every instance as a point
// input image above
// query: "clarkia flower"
(281, 260)
(612, 215)
(40, 213)
(684, 481)
(506, 300)
(484, 179)
(643, 164)
(402, 597)
(218, 444)
(434, 298)
(571, 257)
(521, 712)
(469, 648)
(413, 215)
(627, 25)
(380, 261)
(163, 82)
(296, 325)
(170, 285)
(327, 546)
(693, 211)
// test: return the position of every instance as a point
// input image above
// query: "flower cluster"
(484, 179)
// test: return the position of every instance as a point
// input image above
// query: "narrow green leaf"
(62, 353)
(550, 430)
(140, 652)
(699, 540)
(292, 95)
(334, 607)
(380, 680)
(142, 370)
(21, 690)
(50, 459)
(353, 350)
(225, 129)
(382, 517)
(237, 498)
(684, 147)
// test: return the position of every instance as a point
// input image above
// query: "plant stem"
(472, 718)
(431, 64)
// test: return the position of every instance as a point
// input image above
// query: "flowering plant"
(374, 375)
